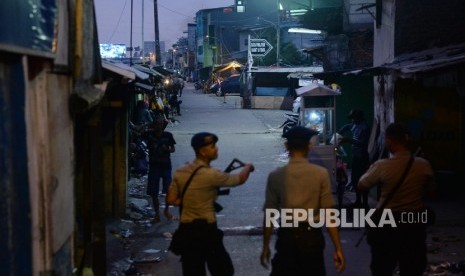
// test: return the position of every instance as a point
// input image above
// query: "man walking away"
(299, 185)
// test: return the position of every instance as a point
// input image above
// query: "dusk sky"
(114, 19)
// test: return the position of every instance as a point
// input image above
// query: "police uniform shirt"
(387, 172)
(305, 186)
(202, 192)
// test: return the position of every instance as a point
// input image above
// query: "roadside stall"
(318, 112)
(220, 73)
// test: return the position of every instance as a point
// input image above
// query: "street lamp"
(278, 33)
(130, 38)
(174, 51)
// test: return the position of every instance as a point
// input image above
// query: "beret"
(203, 139)
(300, 133)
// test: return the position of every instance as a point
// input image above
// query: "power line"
(117, 23)
(173, 11)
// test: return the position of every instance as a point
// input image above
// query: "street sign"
(259, 47)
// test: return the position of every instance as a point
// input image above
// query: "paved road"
(251, 136)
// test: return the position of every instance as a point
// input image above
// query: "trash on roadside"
(451, 239)
(126, 233)
(433, 248)
(457, 267)
(446, 268)
(168, 235)
(151, 251)
(135, 216)
(132, 270)
(147, 259)
(114, 232)
(440, 267)
(145, 223)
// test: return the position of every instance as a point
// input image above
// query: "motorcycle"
(199, 84)
(292, 120)
(138, 151)
(342, 176)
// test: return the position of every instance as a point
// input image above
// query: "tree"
(325, 19)
(288, 52)
(182, 41)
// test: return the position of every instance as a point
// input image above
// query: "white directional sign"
(260, 47)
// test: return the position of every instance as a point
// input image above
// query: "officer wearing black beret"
(204, 244)
(306, 186)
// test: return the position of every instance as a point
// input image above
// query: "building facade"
(419, 66)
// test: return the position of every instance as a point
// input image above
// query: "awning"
(301, 75)
(300, 70)
(124, 70)
(163, 71)
(144, 86)
(224, 67)
(428, 60)
(316, 89)
(148, 70)
(408, 65)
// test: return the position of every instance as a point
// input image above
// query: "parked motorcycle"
(138, 152)
(342, 176)
(291, 121)
(199, 84)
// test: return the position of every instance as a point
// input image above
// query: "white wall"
(384, 35)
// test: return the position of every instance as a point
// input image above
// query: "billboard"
(112, 50)
(28, 25)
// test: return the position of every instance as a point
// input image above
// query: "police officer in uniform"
(360, 158)
(197, 217)
(404, 245)
(299, 185)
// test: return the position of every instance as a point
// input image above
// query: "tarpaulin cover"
(224, 67)
(316, 89)
(28, 24)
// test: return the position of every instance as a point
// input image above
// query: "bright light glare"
(304, 31)
(314, 116)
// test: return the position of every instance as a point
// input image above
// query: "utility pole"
(143, 46)
(157, 33)
(277, 27)
(130, 39)
(173, 52)
(278, 33)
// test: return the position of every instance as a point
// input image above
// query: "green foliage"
(290, 55)
(182, 41)
(288, 52)
(326, 19)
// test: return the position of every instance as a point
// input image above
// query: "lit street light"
(174, 51)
